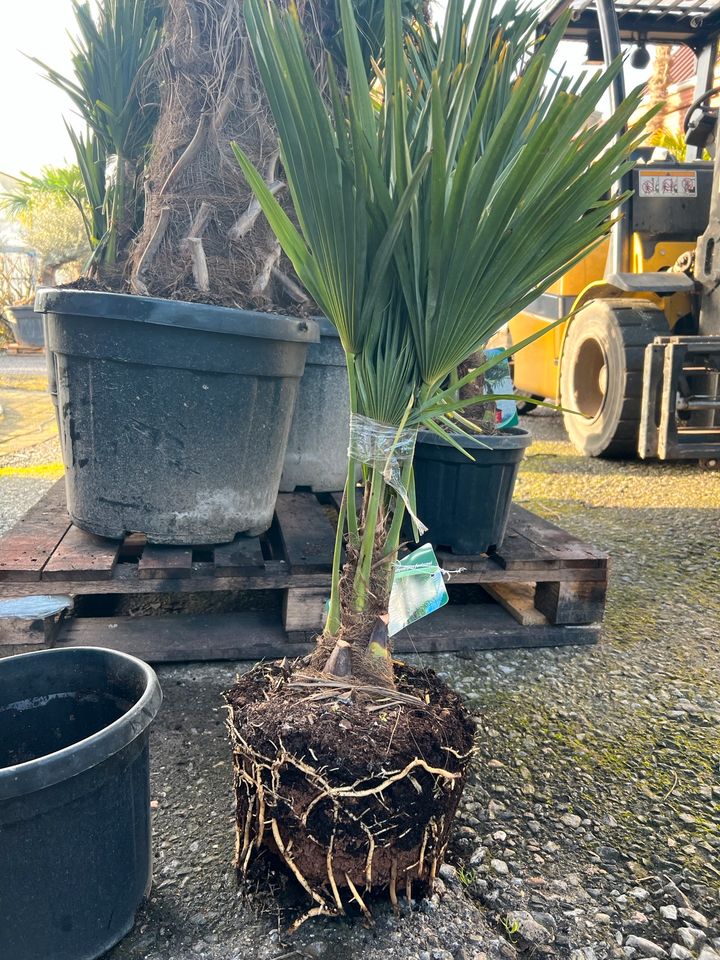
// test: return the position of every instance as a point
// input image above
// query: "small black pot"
(76, 861)
(174, 417)
(465, 503)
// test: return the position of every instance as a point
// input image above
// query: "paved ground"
(591, 827)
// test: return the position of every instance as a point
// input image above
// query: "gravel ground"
(35, 364)
(591, 825)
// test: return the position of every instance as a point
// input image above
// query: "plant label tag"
(418, 589)
(499, 381)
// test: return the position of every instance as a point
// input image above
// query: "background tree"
(50, 214)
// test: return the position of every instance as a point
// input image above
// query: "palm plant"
(110, 69)
(426, 223)
(432, 205)
(203, 236)
(51, 211)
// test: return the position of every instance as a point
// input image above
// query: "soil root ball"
(354, 789)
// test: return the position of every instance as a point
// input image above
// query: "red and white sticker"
(668, 183)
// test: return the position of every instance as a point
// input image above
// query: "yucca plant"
(433, 204)
(110, 57)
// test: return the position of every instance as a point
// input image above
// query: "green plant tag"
(418, 589)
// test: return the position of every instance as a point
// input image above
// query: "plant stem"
(352, 521)
(333, 619)
(367, 545)
(117, 209)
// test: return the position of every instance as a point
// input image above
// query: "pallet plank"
(468, 627)
(533, 541)
(25, 549)
(255, 636)
(163, 563)
(82, 556)
(519, 601)
(571, 603)
(304, 609)
(308, 537)
(243, 555)
(219, 636)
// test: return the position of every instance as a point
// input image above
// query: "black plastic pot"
(74, 800)
(465, 503)
(26, 326)
(317, 447)
(174, 416)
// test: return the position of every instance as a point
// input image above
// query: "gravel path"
(591, 826)
(35, 363)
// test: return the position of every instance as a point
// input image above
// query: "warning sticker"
(668, 183)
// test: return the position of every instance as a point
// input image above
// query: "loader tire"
(601, 374)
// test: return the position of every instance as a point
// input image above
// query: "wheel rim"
(590, 378)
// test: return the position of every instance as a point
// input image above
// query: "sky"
(32, 131)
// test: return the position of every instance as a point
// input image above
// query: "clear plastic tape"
(382, 448)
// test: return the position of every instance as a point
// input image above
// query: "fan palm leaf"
(433, 204)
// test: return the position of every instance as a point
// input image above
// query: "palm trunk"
(204, 237)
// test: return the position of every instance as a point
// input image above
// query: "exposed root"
(358, 899)
(192, 149)
(244, 224)
(262, 281)
(291, 864)
(136, 282)
(197, 227)
(393, 886)
(200, 271)
(384, 830)
(294, 290)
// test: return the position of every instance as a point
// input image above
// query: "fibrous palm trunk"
(204, 237)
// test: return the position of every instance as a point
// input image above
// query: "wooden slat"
(307, 535)
(25, 549)
(255, 636)
(220, 636)
(243, 555)
(82, 556)
(304, 609)
(484, 627)
(571, 603)
(456, 628)
(163, 563)
(125, 580)
(532, 541)
(519, 601)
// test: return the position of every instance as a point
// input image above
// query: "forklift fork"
(676, 423)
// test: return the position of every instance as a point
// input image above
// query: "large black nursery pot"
(465, 503)
(317, 448)
(75, 861)
(26, 325)
(174, 416)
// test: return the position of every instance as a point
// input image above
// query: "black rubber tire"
(601, 374)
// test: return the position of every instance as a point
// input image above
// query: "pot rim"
(53, 768)
(512, 438)
(179, 314)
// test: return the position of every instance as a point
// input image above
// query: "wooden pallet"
(22, 350)
(544, 587)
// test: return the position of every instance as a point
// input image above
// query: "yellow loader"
(639, 356)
